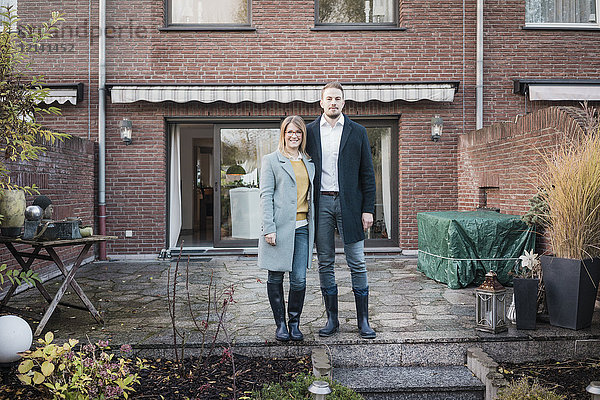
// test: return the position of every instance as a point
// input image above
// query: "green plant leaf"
(38, 378)
(47, 368)
(25, 366)
(26, 379)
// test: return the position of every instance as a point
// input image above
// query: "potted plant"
(570, 184)
(526, 290)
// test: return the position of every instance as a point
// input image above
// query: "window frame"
(564, 25)
(205, 26)
(393, 122)
(359, 25)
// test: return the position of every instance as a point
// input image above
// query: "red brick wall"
(511, 52)
(504, 158)
(66, 174)
(438, 44)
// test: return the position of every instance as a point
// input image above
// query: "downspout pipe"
(102, 128)
(479, 67)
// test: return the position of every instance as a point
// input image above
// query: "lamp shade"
(15, 337)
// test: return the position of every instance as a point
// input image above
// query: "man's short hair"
(333, 85)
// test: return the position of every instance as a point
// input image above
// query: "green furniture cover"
(460, 247)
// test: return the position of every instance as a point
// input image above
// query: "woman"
(286, 199)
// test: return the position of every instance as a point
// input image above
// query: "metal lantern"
(490, 305)
(126, 130)
(437, 125)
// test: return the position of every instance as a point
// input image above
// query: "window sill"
(206, 28)
(559, 28)
(356, 28)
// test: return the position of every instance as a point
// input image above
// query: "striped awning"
(564, 92)
(62, 93)
(559, 89)
(439, 92)
(61, 96)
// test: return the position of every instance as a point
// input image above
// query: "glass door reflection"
(240, 152)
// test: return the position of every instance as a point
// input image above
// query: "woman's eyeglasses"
(296, 133)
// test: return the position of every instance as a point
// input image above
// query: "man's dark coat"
(356, 177)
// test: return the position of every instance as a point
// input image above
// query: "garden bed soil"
(567, 378)
(206, 379)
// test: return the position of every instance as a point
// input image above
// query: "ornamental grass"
(570, 185)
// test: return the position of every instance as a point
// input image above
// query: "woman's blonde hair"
(299, 122)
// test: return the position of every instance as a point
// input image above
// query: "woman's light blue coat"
(278, 198)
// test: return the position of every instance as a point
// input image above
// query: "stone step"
(412, 383)
(347, 353)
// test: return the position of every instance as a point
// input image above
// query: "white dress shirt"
(330, 150)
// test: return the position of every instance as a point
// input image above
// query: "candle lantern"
(490, 306)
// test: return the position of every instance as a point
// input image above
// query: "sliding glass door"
(238, 153)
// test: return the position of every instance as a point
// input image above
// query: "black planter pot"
(571, 289)
(525, 290)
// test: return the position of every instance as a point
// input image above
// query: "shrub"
(22, 137)
(298, 389)
(90, 373)
(570, 181)
(522, 389)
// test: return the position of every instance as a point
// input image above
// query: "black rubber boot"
(295, 304)
(331, 306)
(362, 316)
(275, 292)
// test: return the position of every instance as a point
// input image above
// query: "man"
(345, 179)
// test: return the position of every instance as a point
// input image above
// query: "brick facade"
(66, 174)
(497, 165)
(437, 43)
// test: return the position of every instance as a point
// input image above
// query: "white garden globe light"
(15, 337)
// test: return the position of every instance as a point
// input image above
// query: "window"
(561, 13)
(240, 155)
(356, 12)
(208, 12)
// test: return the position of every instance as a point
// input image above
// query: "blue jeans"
(330, 216)
(299, 262)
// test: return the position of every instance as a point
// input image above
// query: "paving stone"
(417, 320)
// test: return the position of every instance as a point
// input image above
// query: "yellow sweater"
(302, 184)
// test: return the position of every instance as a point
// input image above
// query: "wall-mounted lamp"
(126, 129)
(437, 124)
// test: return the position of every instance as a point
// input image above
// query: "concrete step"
(412, 383)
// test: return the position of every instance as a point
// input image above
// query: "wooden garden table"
(25, 260)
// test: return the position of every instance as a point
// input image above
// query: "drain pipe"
(479, 67)
(102, 127)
